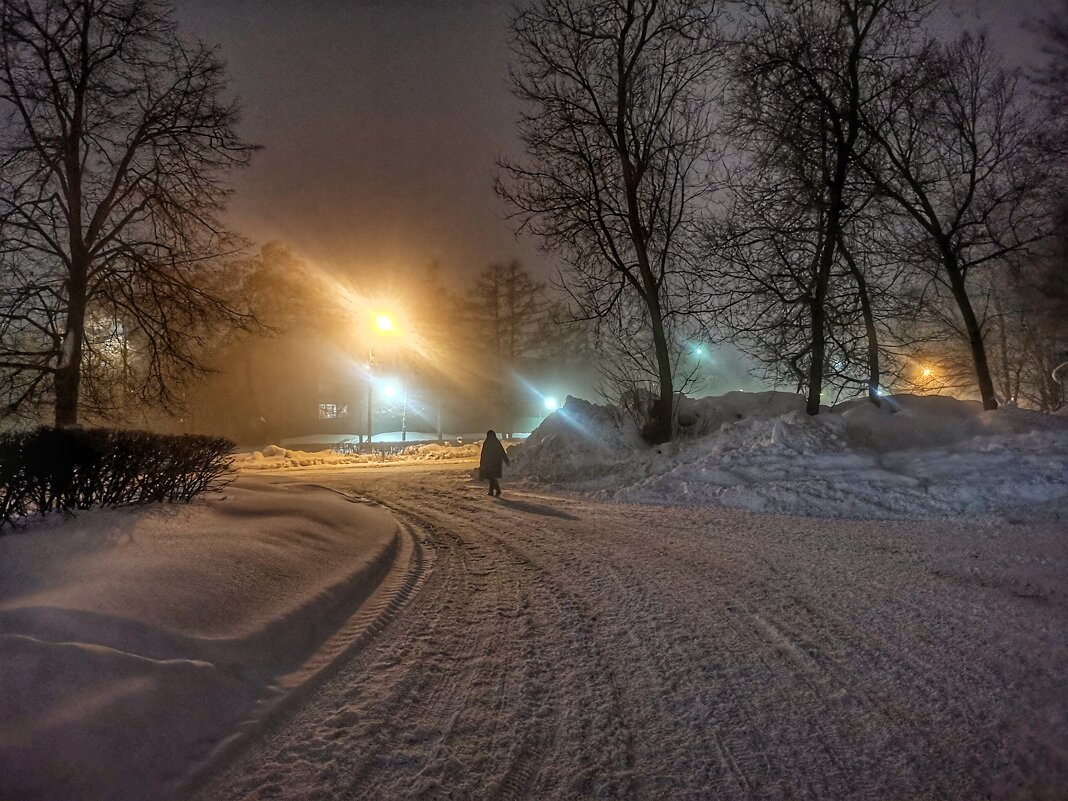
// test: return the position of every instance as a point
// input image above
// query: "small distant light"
(880, 392)
(698, 351)
(927, 372)
(551, 404)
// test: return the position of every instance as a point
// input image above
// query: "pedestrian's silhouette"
(491, 464)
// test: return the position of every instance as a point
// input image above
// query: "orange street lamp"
(383, 324)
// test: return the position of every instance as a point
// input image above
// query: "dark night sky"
(382, 121)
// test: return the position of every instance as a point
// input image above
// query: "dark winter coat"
(491, 463)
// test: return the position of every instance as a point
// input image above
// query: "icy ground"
(576, 649)
(133, 641)
(762, 626)
(914, 457)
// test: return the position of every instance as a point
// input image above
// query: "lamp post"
(383, 325)
(370, 392)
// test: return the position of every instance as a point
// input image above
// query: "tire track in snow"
(594, 709)
(580, 649)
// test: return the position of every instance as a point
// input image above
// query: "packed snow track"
(562, 648)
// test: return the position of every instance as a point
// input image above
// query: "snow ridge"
(912, 457)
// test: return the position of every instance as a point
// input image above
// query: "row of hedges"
(48, 470)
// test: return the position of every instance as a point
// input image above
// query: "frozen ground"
(701, 644)
(571, 648)
(914, 457)
(133, 641)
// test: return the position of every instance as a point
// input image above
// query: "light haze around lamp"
(384, 325)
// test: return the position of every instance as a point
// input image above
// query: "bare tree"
(1028, 343)
(1051, 77)
(807, 68)
(116, 139)
(803, 74)
(764, 260)
(509, 314)
(955, 153)
(617, 140)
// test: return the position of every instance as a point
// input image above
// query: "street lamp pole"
(370, 394)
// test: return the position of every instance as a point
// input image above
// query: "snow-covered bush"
(49, 470)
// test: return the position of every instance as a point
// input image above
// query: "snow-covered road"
(562, 648)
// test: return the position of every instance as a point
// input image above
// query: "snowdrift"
(131, 641)
(914, 456)
(276, 457)
(581, 440)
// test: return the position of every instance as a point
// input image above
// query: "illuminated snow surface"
(132, 640)
(911, 457)
(915, 456)
(763, 625)
(277, 457)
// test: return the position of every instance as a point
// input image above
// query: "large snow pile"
(436, 453)
(275, 457)
(580, 440)
(703, 416)
(915, 456)
(115, 621)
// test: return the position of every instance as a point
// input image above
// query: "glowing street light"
(383, 324)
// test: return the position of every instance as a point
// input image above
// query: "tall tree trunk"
(870, 331)
(68, 375)
(69, 372)
(661, 429)
(846, 126)
(817, 358)
(971, 327)
(818, 326)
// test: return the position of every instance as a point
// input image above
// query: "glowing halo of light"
(551, 404)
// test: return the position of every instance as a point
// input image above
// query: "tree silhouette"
(117, 138)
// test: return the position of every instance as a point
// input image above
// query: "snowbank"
(760, 451)
(132, 640)
(276, 457)
(581, 440)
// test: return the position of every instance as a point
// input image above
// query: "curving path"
(563, 648)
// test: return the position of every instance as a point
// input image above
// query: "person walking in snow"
(491, 463)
